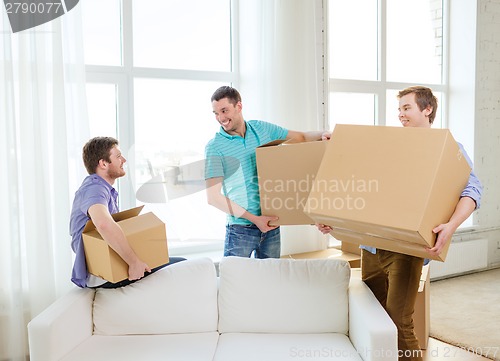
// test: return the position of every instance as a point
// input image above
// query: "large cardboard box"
(146, 235)
(286, 172)
(388, 187)
(350, 248)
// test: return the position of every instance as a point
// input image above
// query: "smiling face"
(410, 115)
(229, 116)
(114, 167)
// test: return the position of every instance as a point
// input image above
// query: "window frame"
(123, 76)
(381, 86)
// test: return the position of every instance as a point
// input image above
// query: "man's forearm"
(295, 136)
(463, 210)
(314, 135)
(227, 206)
(116, 239)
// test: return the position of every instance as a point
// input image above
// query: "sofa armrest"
(62, 326)
(371, 330)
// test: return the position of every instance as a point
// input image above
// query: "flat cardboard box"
(146, 235)
(388, 187)
(422, 314)
(329, 253)
(286, 172)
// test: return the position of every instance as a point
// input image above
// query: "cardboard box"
(146, 235)
(329, 253)
(286, 173)
(350, 248)
(388, 187)
(422, 315)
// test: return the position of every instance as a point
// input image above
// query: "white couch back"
(180, 298)
(283, 295)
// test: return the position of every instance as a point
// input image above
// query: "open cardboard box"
(146, 235)
(286, 171)
(388, 187)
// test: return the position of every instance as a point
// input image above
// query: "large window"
(151, 68)
(377, 47)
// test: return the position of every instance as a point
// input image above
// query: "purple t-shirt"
(94, 190)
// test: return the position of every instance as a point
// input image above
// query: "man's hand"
(444, 233)
(262, 222)
(323, 228)
(137, 270)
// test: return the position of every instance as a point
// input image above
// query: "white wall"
(474, 108)
(487, 121)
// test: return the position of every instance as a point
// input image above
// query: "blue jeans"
(243, 240)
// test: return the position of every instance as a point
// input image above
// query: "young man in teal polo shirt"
(231, 175)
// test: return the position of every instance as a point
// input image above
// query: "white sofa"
(273, 309)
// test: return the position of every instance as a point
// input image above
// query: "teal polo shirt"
(233, 158)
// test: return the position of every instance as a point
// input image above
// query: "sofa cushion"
(283, 295)
(180, 298)
(283, 347)
(179, 347)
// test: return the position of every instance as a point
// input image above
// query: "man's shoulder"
(93, 184)
(262, 125)
(213, 143)
(94, 179)
(267, 131)
(258, 123)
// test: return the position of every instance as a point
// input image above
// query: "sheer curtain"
(280, 53)
(43, 124)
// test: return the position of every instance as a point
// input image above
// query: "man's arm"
(112, 233)
(308, 136)
(463, 210)
(218, 200)
(470, 200)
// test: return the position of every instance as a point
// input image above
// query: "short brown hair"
(226, 92)
(96, 149)
(423, 98)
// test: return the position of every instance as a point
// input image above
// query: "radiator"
(462, 257)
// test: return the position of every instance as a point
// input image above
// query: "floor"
(440, 351)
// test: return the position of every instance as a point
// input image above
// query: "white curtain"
(280, 59)
(43, 124)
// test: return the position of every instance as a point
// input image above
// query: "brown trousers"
(394, 279)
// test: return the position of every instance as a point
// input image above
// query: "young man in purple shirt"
(96, 199)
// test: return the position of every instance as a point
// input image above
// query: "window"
(377, 48)
(151, 68)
